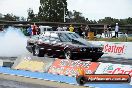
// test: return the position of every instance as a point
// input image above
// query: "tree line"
(56, 11)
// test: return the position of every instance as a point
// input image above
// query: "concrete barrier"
(30, 65)
(4, 63)
(1, 62)
(33, 63)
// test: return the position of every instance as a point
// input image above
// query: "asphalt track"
(10, 81)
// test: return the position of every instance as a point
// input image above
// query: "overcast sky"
(92, 9)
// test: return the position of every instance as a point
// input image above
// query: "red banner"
(70, 67)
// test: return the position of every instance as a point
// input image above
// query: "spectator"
(34, 29)
(59, 28)
(38, 30)
(105, 31)
(29, 31)
(80, 30)
(71, 28)
(109, 31)
(24, 31)
(116, 30)
(87, 29)
(1, 28)
(64, 28)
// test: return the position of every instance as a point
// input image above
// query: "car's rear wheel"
(38, 52)
(68, 54)
(33, 50)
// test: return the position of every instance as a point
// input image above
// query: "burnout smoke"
(12, 42)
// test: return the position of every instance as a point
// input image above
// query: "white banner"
(109, 68)
(115, 49)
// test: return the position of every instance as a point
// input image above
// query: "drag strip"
(116, 60)
(10, 81)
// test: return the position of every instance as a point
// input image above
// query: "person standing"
(116, 30)
(109, 31)
(34, 29)
(105, 31)
(81, 31)
(29, 31)
(64, 28)
(59, 28)
(87, 29)
(71, 28)
(38, 30)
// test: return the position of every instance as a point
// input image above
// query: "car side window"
(54, 39)
(64, 37)
(46, 39)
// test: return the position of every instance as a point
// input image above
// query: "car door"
(57, 45)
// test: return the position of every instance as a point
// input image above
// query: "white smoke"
(12, 42)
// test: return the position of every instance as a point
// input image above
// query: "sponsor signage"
(107, 68)
(115, 49)
(70, 67)
(118, 78)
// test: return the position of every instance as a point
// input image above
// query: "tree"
(78, 17)
(22, 19)
(109, 20)
(75, 16)
(11, 17)
(52, 10)
(30, 14)
(129, 20)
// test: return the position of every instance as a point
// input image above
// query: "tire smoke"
(12, 42)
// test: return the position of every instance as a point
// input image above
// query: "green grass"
(124, 39)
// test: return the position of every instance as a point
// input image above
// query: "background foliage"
(53, 11)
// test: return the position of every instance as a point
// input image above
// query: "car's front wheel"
(94, 59)
(38, 52)
(68, 54)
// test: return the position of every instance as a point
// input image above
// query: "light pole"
(64, 13)
(64, 10)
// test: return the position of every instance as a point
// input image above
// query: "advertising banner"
(115, 49)
(70, 67)
(109, 68)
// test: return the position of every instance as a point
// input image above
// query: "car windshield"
(64, 37)
(73, 35)
(67, 37)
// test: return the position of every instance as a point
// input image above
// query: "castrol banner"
(109, 68)
(115, 49)
(70, 67)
